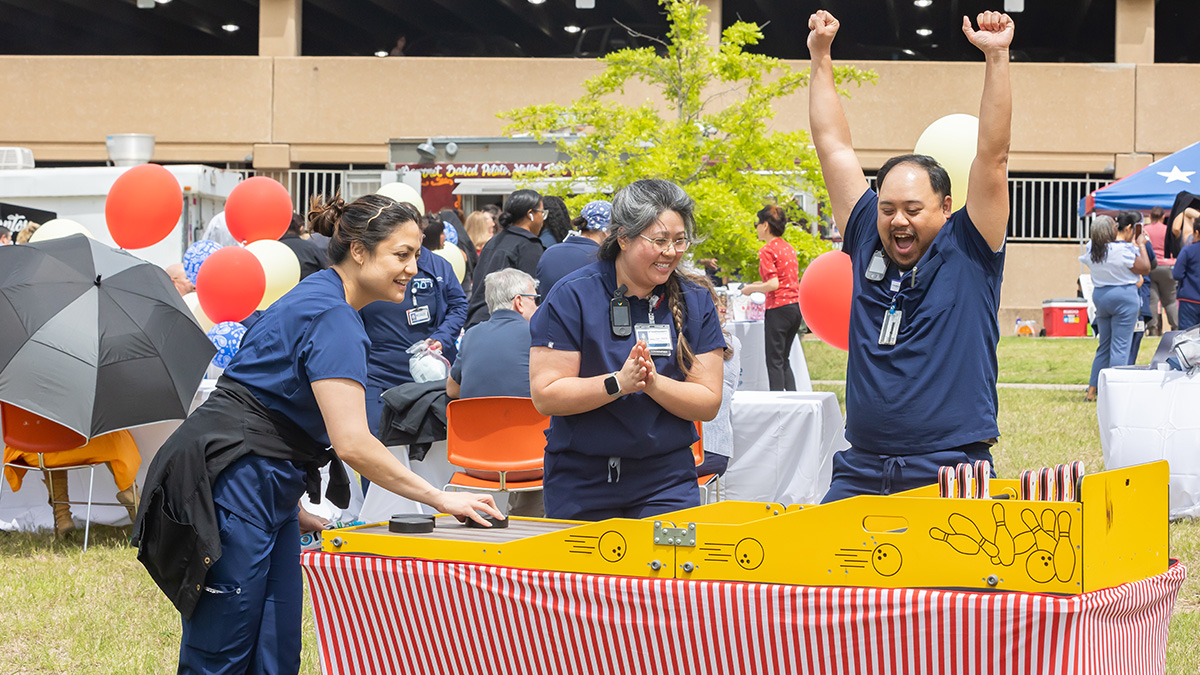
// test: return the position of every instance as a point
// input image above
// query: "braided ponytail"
(684, 355)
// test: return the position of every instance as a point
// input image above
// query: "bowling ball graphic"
(886, 559)
(1040, 566)
(748, 553)
(612, 546)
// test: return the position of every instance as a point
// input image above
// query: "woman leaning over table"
(219, 527)
(626, 357)
(1116, 262)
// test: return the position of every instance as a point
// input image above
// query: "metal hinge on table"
(674, 536)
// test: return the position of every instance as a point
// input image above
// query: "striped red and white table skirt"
(400, 615)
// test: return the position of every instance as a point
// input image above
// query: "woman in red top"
(781, 282)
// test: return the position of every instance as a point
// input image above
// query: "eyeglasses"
(663, 244)
(537, 297)
(537, 210)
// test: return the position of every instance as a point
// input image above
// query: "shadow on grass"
(15, 544)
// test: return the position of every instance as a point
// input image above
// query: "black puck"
(410, 523)
(496, 523)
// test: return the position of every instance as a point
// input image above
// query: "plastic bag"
(1186, 349)
(427, 365)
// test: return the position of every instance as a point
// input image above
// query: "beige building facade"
(278, 111)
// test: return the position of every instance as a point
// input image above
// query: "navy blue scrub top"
(561, 259)
(389, 328)
(309, 334)
(575, 318)
(936, 387)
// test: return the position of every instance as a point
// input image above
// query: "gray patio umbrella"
(94, 338)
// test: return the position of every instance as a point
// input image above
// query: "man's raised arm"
(843, 174)
(987, 195)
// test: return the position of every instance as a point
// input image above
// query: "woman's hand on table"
(310, 522)
(463, 505)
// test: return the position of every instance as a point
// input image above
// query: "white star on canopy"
(1176, 175)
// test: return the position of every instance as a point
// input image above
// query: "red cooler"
(1065, 317)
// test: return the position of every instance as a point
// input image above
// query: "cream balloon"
(193, 302)
(57, 229)
(403, 192)
(952, 141)
(280, 265)
(456, 258)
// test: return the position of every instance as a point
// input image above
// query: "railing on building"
(1043, 209)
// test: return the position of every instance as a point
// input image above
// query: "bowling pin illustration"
(1042, 539)
(959, 542)
(1064, 550)
(1006, 549)
(963, 525)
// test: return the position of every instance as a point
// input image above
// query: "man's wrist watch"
(612, 385)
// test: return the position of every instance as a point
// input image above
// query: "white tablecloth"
(1147, 415)
(783, 445)
(754, 358)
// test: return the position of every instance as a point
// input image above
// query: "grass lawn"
(64, 611)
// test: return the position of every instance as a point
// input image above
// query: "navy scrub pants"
(858, 472)
(587, 487)
(248, 618)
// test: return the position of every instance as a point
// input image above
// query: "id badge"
(1140, 326)
(891, 327)
(418, 315)
(656, 336)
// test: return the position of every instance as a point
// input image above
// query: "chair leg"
(87, 522)
(56, 485)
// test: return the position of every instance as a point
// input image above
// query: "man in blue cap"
(578, 249)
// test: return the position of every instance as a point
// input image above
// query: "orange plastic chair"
(29, 433)
(710, 479)
(499, 441)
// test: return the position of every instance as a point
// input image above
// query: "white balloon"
(280, 265)
(403, 192)
(193, 302)
(952, 141)
(57, 229)
(456, 258)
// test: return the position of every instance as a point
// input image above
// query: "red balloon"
(825, 291)
(258, 208)
(230, 284)
(143, 206)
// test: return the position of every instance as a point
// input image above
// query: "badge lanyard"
(890, 329)
(656, 337)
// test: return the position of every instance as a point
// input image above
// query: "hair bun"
(325, 215)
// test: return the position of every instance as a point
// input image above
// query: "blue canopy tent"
(1155, 185)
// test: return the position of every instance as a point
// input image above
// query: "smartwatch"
(611, 385)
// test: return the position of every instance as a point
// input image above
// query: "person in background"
(780, 272)
(398, 48)
(1162, 284)
(577, 250)
(456, 234)
(494, 211)
(434, 236)
(218, 231)
(1133, 219)
(517, 245)
(433, 310)
(480, 228)
(625, 382)
(309, 253)
(494, 361)
(1187, 273)
(558, 222)
(718, 433)
(180, 279)
(219, 529)
(25, 233)
(1116, 262)
(5, 236)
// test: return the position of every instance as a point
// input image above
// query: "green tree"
(714, 137)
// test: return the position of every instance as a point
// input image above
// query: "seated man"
(921, 376)
(494, 360)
